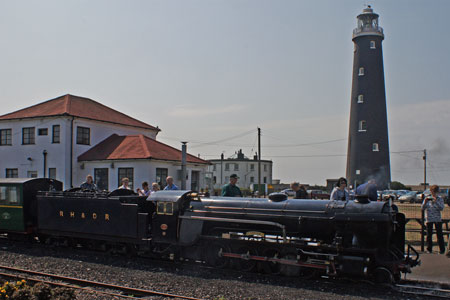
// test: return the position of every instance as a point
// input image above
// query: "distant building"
(244, 167)
(368, 143)
(68, 137)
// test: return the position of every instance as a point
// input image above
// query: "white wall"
(245, 173)
(143, 170)
(58, 155)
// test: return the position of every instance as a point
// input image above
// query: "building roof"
(70, 105)
(117, 147)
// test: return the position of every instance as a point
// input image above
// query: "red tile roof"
(117, 147)
(69, 105)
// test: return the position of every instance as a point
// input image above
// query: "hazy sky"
(206, 71)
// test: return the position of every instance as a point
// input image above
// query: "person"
(155, 188)
(300, 191)
(125, 183)
(145, 191)
(433, 205)
(231, 189)
(369, 189)
(340, 190)
(170, 185)
(89, 184)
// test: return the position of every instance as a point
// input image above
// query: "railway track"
(426, 289)
(86, 285)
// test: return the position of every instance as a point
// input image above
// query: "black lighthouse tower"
(368, 143)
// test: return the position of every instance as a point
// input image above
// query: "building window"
(360, 98)
(9, 195)
(361, 71)
(252, 167)
(362, 127)
(101, 178)
(227, 167)
(265, 179)
(42, 131)
(32, 174)
(358, 172)
(252, 179)
(128, 173)
(236, 167)
(227, 178)
(55, 134)
(265, 168)
(215, 168)
(375, 147)
(214, 179)
(12, 173)
(372, 45)
(52, 173)
(28, 136)
(83, 135)
(5, 137)
(161, 175)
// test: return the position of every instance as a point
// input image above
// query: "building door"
(101, 178)
(195, 178)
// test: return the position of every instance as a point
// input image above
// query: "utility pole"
(183, 165)
(221, 169)
(424, 169)
(259, 162)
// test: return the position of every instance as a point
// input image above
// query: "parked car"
(318, 194)
(410, 197)
(389, 194)
(399, 193)
(289, 192)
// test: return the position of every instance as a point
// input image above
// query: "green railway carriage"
(18, 207)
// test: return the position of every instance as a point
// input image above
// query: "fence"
(415, 228)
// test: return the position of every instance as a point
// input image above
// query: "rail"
(82, 282)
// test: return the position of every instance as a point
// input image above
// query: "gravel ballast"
(177, 278)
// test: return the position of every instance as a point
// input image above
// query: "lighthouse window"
(362, 126)
(361, 71)
(372, 45)
(360, 98)
(375, 147)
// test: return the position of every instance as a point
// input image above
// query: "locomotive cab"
(169, 206)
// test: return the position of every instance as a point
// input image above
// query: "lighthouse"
(368, 142)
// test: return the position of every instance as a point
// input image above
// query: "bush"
(20, 290)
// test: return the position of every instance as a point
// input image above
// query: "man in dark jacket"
(369, 188)
(230, 189)
(300, 191)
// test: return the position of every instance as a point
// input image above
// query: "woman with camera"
(433, 205)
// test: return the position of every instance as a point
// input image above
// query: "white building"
(68, 137)
(245, 168)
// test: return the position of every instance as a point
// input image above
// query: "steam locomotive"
(276, 235)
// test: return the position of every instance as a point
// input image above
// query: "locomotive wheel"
(244, 263)
(383, 275)
(270, 267)
(213, 255)
(289, 270)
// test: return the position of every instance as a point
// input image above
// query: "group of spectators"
(432, 205)
(89, 185)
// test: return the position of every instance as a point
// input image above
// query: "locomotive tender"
(278, 235)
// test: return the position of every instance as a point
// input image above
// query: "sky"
(210, 72)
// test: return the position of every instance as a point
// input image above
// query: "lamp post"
(45, 162)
